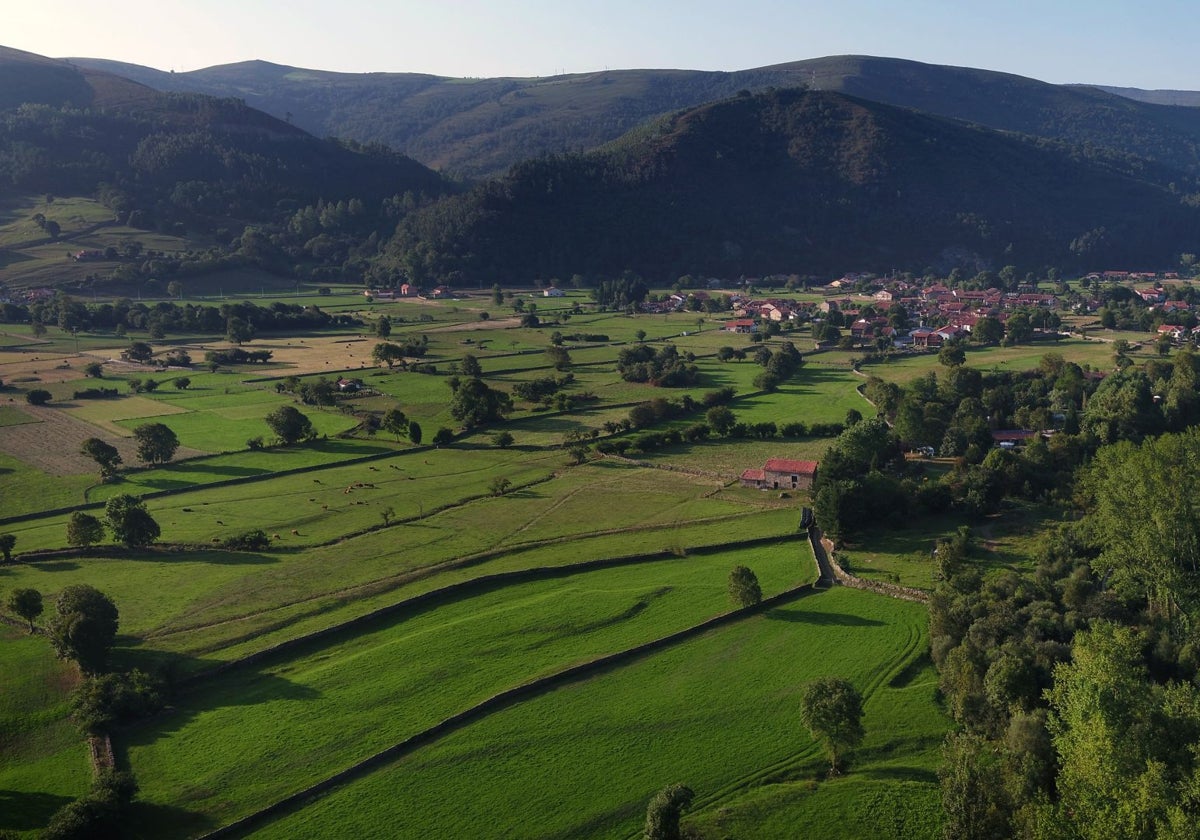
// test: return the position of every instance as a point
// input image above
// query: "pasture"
(403, 584)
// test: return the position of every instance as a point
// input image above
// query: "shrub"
(256, 540)
(38, 396)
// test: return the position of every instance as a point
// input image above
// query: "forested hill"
(1075, 114)
(477, 127)
(176, 159)
(791, 181)
(470, 127)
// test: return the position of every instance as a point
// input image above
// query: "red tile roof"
(785, 465)
(754, 475)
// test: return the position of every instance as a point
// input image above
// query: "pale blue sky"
(1117, 42)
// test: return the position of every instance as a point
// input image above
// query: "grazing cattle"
(295, 533)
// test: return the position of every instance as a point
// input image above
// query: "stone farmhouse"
(781, 474)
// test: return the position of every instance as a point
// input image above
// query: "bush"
(102, 702)
(96, 394)
(256, 540)
(38, 396)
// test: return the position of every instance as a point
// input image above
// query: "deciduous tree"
(290, 425)
(26, 603)
(156, 443)
(84, 626)
(84, 530)
(129, 521)
(104, 454)
(665, 811)
(743, 587)
(831, 708)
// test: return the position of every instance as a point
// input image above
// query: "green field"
(716, 712)
(430, 590)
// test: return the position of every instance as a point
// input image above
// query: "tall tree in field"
(290, 425)
(665, 811)
(84, 530)
(104, 454)
(26, 603)
(7, 543)
(743, 587)
(396, 422)
(83, 627)
(129, 521)
(414, 432)
(156, 443)
(831, 708)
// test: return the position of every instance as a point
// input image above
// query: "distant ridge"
(480, 127)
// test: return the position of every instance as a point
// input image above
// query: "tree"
(7, 542)
(952, 354)
(84, 530)
(290, 425)
(469, 366)
(175, 289)
(383, 327)
(743, 587)
(129, 521)
(26, 603)
(156, 443)
(183, 382)
(641, 336)
(720, 419)
(139, 351)
(387, 514)
(414, 432)
(238, 330)
(443, 436)
(94, 369)
(84, 626)
(38, 396)
(500, 485)
(504, 440)
(831, 708)
(396, 422)
(664, 812)
(474, 403)
(387, 353)
(104, 454)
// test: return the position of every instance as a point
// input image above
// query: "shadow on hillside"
(823, 619)
(150, 819)
(902, 774)
(56, 566)
(24, 811)
(249, 685)
(216, 469)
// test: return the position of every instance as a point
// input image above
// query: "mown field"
(401, 588)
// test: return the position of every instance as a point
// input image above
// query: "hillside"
(1187, 98)
(185, 163)
(790, 181)
(477, 127)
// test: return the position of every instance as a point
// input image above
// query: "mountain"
(470, 127)
(1168, 135)
(793, 181)
(479, 127)
(169, 158)
(1186, 98)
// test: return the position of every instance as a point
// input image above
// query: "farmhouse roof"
(786, 465)
(754, 475)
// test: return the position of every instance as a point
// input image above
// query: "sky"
(1110, 42)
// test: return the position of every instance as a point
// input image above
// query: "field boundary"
(452, 591)
(891, 590)
(496, 703)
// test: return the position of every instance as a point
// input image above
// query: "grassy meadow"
(403, 584)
